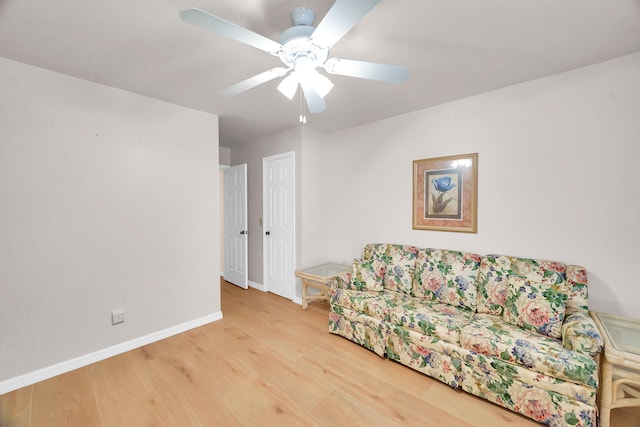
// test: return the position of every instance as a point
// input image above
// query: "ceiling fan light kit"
(289, 85)
(304, 49)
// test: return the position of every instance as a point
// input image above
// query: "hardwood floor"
(268, 363)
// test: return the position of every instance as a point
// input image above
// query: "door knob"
(268, 233)
(242, 232)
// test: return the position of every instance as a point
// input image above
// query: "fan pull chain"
(303, 117)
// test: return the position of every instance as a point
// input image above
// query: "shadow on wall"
(602, 295)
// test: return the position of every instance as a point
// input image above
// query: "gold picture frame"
(445, 193)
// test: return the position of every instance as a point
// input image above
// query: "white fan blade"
(228, 29)
(315, 102)
(254, 81)
(342, 17)
(367, 70)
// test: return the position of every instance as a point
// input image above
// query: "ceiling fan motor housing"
(297, 40)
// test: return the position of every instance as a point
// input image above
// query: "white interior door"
(235, 226)
(279, 224)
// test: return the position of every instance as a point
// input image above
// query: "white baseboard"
(297, 300)
(258, 286)
(78, 362)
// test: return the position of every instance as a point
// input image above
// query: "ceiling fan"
(303, 49)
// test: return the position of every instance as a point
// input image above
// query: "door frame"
(292, 155)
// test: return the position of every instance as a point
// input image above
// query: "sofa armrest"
(342, 281)
(580, 333)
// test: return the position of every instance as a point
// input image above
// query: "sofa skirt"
(545, 399)
(360, 328)
(431, 356)
(545, 406)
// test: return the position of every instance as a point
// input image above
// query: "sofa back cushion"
(447, 276)
(367, 275)
(400, 261)
(374, 250)
(492, 284)
(496, 270)
(536, 306)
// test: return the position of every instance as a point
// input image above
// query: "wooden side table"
(620, 369)
(319, 277)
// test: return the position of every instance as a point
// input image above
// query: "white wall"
(107, 200)
(221, 215)
(312, 224)
(558, 174)
(225, 156)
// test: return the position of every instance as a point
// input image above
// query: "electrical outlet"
(117, 317)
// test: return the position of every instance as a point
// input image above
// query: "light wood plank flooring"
(267, 363)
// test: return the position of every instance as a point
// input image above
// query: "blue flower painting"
(443, 192)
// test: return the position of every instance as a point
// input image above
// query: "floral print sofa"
(511, 330)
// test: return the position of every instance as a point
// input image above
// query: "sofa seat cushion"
(374, 304)
(491, 336)
(431, 318)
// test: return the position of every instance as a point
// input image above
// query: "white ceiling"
(454, 49)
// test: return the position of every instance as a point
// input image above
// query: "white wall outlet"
(117, 316)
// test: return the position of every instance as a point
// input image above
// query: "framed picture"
(445, 192)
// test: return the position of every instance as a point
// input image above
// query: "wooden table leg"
(607, 393)
(305, 294)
